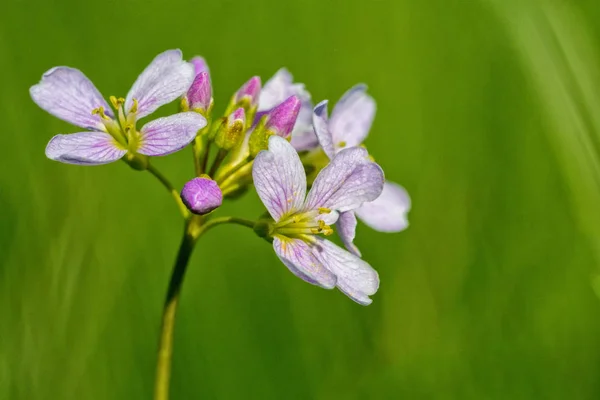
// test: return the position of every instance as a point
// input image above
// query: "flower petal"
(84, 148)
(352, 117)
(169, 134)
(346, 225)
(69, 95)
(298, 257)
(303, 136)
(276, 90)
(279, 178)
(355, 277)
(349, 180)
(200, 65)
(164, 80)
(320, 123)
(388, 212)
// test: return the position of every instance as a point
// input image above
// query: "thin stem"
(195, 228)
(217, 162)
(165, 182)
(199, 149)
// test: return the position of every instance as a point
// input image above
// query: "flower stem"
(195, 227)
(182, 208)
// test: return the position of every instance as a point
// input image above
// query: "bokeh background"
(488, 113)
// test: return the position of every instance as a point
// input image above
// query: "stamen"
(342, 144)
(100, 111)
(116, 103)
(134, 107)
(323, 210)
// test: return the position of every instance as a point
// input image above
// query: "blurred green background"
(488, 113)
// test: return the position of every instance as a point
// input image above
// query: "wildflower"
(348, 127)
(279, 88)
(300, 220)
(69, 95)
(201, 195)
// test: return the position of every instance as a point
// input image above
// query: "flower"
(348, 127)
(279, 88)
(69, 95)
(201, 195)
(300, 220)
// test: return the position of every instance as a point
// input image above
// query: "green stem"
(165, 182)
(194, 229)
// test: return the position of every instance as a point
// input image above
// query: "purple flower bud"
(199, 64)
(199, 96)
(201, 195)
(282, 118)
(237, 115)
(250, 90)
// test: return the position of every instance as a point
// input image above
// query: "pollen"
(342, 144)
(323, 210)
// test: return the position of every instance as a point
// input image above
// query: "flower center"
(303, 225)
(122, 129)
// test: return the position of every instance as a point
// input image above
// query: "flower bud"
(278, 121)
(199, 64)
(281, 119)
(232, 132)
(249, 92)
(199, 95)
(201, 195)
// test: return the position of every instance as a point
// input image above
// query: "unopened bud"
(281, 119)
(249, 92)
(278, 121)
(201, 195)
(232, 132)
(199, 95)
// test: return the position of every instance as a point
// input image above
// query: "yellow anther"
(100, 111)
(323, 210)
(116, 103)
(134, 107)
(342, 144)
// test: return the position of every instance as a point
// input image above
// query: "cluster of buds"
(235, 139)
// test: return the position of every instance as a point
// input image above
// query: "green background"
(489, 115)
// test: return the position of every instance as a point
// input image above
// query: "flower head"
(348, 127)
(201, 195)
(279, 88)
(301, 220)
(69, 95)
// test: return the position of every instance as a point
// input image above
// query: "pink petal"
(355, 277)
(298, 257)
(279, 178)
(84, 148)
(349, 180)
(388, 212)
(352, 117)
(169, 134)
(69, 95)
(321, 126)
(346, 225)
(167, 78)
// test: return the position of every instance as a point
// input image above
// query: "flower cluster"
(312, 172)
